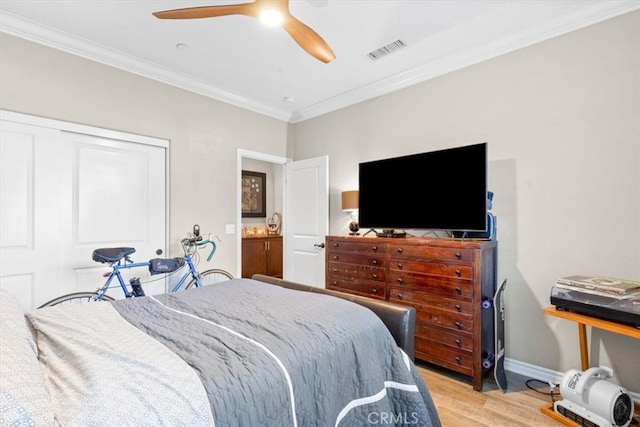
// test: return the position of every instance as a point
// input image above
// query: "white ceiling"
(238, 60)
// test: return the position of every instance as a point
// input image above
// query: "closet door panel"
(29, 212)
(67, 189)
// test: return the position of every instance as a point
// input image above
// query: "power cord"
(552, 388)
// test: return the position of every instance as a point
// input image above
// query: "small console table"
(583, 321)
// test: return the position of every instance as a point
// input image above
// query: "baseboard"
(547, 375)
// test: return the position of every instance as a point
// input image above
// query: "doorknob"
(158, 251)
(319, 245)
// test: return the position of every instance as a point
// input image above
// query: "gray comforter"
(264, 356)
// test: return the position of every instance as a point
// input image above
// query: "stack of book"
(602, 286)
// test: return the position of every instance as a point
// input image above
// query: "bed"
(247, 352)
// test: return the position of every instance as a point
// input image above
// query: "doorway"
(273, 167)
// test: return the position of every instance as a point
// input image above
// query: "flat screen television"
(436, 190)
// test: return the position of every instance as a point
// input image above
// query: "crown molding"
(565, 21)
(562, 23)
(38, 33)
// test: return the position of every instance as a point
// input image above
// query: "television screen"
(437, 190)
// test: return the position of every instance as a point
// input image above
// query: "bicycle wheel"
(75, 298)
(210, 277)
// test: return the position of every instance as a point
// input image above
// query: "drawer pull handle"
(374, 276)
(458, 325)
(399, 280)
(458, 273)
(334, 283)
(399, 265)
(458, 291)
(458, 359)
(335, 257)
(458, 343)
(375, 248)
(335, 270)
(335, 245)
(374, 291)
(399, 296)
(458, 255)
(399, 250)
(458, 307)
(375, 261)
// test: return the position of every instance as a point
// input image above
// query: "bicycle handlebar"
(198, 241)
(213, 247)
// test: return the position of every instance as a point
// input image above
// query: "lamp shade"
(350, 200)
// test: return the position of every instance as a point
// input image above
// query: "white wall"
(204, 134)
(562, 119)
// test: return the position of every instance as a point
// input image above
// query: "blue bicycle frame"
(115, 273)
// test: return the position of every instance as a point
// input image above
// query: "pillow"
(23, 397)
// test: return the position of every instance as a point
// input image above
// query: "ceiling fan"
(274, 12)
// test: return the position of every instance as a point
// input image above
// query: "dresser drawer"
(421, 299)
(452, 288)
(356, 271)
(361, 287)
(445, 318)
(375, 260)
(457, 360)
(440, 336)
(422, 253)
(357, 247)
(436, 268)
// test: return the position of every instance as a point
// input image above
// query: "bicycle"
(119, 259)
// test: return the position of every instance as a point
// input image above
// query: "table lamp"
(350, 205)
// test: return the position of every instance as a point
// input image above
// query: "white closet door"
(68, 192)
(114, 196)
(30, 261)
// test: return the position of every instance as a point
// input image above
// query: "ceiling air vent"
(385, 50)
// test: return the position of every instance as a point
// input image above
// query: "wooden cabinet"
(446, 280)
(262, 255)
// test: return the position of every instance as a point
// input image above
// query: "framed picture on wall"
(254, 194)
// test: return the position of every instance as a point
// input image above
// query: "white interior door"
(67, 190)
(306, 220)
(114, 195)
(29, 182)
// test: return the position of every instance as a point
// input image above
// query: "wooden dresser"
(446, 280)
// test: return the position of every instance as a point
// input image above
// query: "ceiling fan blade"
(308, 39)
(207, 11)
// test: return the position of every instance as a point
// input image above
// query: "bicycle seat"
(111, 255)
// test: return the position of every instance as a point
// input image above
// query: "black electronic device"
(621, 310)
(437, 190)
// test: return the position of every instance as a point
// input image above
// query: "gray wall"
(562, 119)
(204, 134)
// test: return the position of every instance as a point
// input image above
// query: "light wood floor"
(459, 405)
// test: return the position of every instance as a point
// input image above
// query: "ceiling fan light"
(271, 17)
